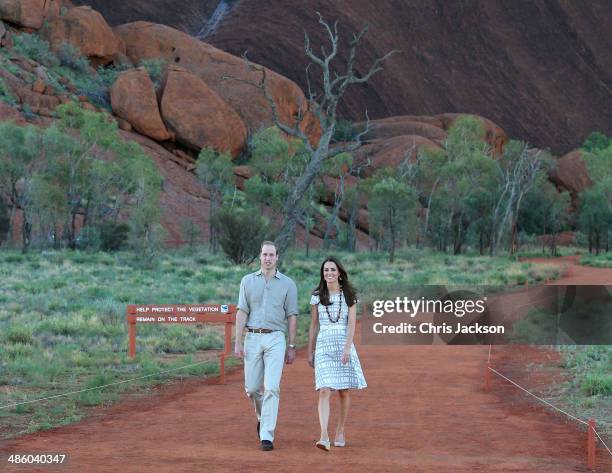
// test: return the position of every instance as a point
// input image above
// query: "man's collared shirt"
(268, 304)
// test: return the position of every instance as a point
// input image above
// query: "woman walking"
(334, 358)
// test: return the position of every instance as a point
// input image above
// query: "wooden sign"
(182, 314)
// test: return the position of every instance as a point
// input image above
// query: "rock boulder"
(197, 115)
(133, 99)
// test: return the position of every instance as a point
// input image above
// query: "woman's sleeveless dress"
(330, 372)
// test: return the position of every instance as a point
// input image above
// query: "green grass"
(588, 393)
(602, 260)
(62, 316)
(535, 251)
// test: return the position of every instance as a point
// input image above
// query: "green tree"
(20, 152)
(595, 214)
(101, 171)
(453, 184)
(545, 212)
(215, 171)
(595, 218)
(78, 172)
(391, 212)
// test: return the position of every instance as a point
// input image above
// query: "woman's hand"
(311, 359)
(346, 355)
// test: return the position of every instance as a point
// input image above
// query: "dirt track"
(425, 410)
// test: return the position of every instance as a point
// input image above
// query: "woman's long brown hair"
(350, 295)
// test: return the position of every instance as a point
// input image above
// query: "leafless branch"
(262, 85)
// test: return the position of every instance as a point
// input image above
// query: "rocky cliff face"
(194, 105)
(542, 69)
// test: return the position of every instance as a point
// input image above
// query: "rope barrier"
(548, 403)
(538, 398)
(104, 386)
(601, 440)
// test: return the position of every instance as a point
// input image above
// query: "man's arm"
(241, 318)
(292, 339)
(291, 309)
(312, 333)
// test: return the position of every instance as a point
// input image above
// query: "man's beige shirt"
(268, 304)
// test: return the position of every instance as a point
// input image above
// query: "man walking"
(267, 303)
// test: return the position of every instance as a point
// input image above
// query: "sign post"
(183, 314)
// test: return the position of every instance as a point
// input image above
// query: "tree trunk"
(9, 235)
(513, 237)
(26, 233)
(429, 199)
(351, 238)
(72, 237)
(291, 211)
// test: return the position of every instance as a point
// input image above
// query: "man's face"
(268, 257)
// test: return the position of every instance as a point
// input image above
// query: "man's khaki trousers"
(264, 357)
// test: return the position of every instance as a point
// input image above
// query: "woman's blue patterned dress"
(330, 372)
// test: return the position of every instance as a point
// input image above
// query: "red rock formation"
(428, 127)
(571, 174)
(197, 115)
(391, 152)
(539, 69)
(133, 99)
(26, 13)
(219, 70)
(86, 29)
(9, 113)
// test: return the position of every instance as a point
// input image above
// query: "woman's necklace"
(339, 311)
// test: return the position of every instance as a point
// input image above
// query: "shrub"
(209, 341)
(597, 383)
(155, 68)
(596, 141)
(69, 56)
(36, 48)
(191, 233)
(344, 131)
(19, 334)
(240, 231)
(5, 94)
(113, 236)
(89, 238)
(108, 75)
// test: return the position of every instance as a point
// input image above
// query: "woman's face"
(330, 272)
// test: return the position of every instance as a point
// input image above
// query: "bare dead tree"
(323, 105)
(516, 180)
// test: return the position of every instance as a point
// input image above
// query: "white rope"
(538, 398)
(103, 386)
(601, 440)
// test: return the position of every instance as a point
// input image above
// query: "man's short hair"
(270, 243)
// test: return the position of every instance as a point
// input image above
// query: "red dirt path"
(425, 410)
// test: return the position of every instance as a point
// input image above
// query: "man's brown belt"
(260, 330)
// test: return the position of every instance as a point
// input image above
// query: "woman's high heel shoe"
(323, 445)
(339, 443)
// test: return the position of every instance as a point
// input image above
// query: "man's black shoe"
(258, 424)
(266, 445)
